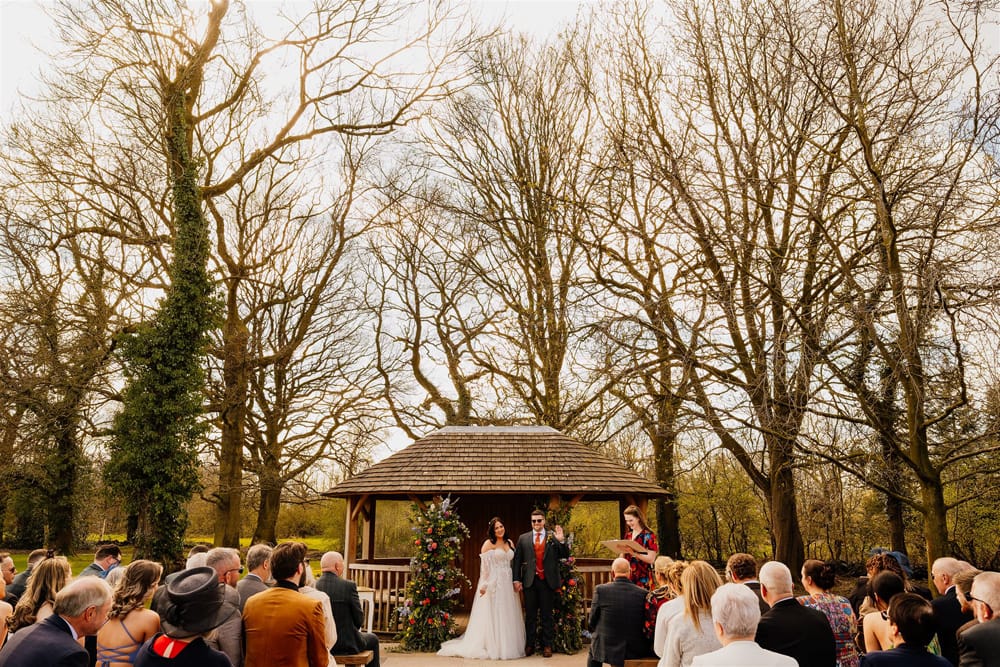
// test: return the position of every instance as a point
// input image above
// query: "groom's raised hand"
(558, 532)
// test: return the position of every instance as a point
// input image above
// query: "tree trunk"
(235, 379)
(935, 519)
(668, 517)
(63, 471)
(785, 530)
(270, 504)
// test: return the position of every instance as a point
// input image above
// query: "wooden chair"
(642, 662)
(362, 658)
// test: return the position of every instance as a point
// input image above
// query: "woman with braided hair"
(129, 622)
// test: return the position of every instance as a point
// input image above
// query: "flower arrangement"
(433, 592)
(568, 605)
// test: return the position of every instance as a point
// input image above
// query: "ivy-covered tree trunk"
(153, 463)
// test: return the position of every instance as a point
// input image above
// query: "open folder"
(625, 546)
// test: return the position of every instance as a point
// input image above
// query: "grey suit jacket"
(979, 646)
(228, 637)
(249, 585)
(616, 617)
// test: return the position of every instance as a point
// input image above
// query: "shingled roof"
(497, 459)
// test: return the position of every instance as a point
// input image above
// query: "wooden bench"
(642, 662)
(362, 658)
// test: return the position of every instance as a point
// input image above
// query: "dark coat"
(524, 560)
(979, 646)
(755, 587)
(197, 654)
(802, 633)
(616, 616)
(948, 618)
(347, 613)
(903, 656)
(48, 643)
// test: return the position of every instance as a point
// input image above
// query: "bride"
(496, 627)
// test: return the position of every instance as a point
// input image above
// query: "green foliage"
(434, 590)
(567, 609)
(25, 524)
(153, 462)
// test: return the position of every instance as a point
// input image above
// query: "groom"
(536, 572)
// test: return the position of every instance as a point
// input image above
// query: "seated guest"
(883, 587)
(5, 611)
(346, 605)
(16, 589)
(259, 574)
(37, 603)
(692, 633)
(963, 591)
(979, 646)
(911, 623)
(8, 570)
(788, 627)
(79, 610)
(735, 614)
(107, 557)
(948, 614)
(616, 616)
(818, 578)
(660, 594)
(742, 569)
(307, 586)
(282, 626)
(192, 607)
(129, 624)
(670, 608)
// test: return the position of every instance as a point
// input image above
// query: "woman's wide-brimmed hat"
(193, 604)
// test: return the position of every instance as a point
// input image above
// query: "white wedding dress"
(496, 625)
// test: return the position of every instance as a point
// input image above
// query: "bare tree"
(917, 93)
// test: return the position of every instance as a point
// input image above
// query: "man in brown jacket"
(282, 626)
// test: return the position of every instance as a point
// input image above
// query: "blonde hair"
(674, 576)
(141, 577)
(660, 567)
(700, 580)
(47, 578)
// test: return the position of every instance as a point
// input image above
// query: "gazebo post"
(368, 538)
(350, 537)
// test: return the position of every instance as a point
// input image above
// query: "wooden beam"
(576, 499)
(368, 535)
(417, 501)
(360, 506)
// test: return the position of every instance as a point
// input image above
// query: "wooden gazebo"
(496, 471)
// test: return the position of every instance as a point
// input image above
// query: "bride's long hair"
(491, 533)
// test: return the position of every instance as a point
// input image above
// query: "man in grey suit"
(979, 646)
(259, 566)
(536, 572)
(346, 606)
(616, 617)
(228, 636)
(80, 609)
(16, 588)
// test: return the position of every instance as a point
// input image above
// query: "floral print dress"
(641, 573)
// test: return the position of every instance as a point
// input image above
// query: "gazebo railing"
(388, 581)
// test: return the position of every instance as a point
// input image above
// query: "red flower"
(430, 530)
(417, 541)
(446, 616)
(434, 545)
(413, 621)
(572, 582)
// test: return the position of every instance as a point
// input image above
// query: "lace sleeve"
(487, 575)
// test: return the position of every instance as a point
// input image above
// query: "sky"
(24, 26)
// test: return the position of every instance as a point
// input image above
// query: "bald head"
(332, 561)
(986, 591)
(943, 572)
(775, 582)
(620, 567)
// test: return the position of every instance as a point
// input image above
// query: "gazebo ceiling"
(497, 460)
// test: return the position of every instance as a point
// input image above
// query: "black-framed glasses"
(235, 569)
(537, 520)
